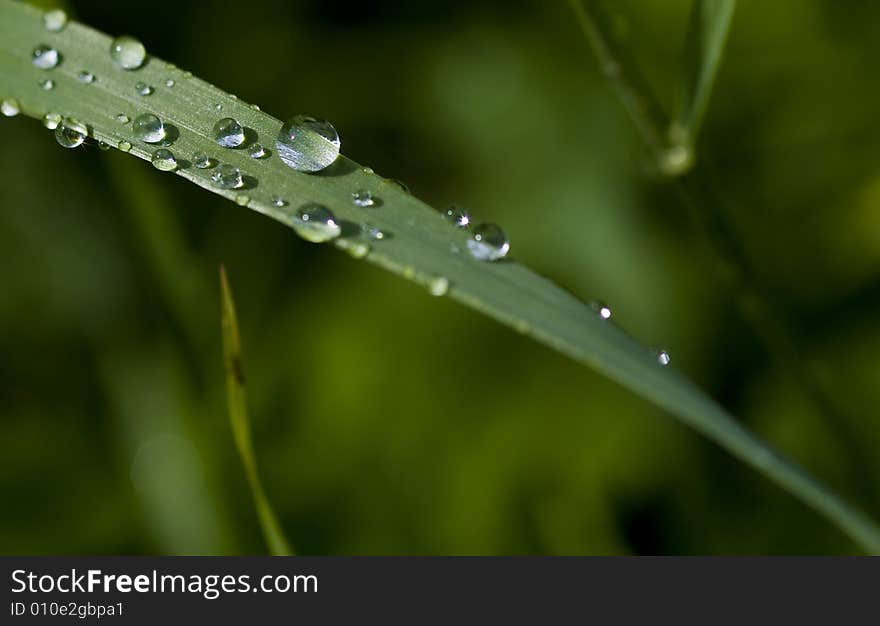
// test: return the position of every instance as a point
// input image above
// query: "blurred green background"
(390, 422)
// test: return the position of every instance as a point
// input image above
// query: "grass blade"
(704, 47)
(422, 246)
(240, 423)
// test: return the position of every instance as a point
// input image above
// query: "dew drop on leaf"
(45, 57)
(55, 20)
(70, 133)
(10, 107)
(363, 198)
(148, 128)
(47, 84)
(438, 286)
(602, 310)
(124, 146)
(307, 144)
(163, 160)
(227, 177)
(228, 133)
(488, 243)
(85, 77)
(278, 201)
(127, 52)
(316, 223)
(257, 151)
(202, 160)
(51, 120)
(143, 89)
(122, 118)
(663, 357)
(458, 216)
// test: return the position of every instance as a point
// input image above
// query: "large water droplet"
(164, 160)
(488, 243)
(47, 84)
(228, 133)
(363, 198)
(55, 20)
(85, 77)
(45, 57)
(202, 160)
(127, 52)
(70, 133)
(438, 286)
(663, 357)
(10, 107)
(148, 128)
(602, 310)
(458, 216)
(51, 120)
(307, 144)
(316, 223)
(143, 89)
(227, 177)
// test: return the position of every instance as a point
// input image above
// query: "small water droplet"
(363, 198)
(242, 200)
(458, 216)
(663, 357)
(187, 74)
(51, 120)
(122, 118)
(372, 232)
(358, 249)
(103, 146)
(124, 146)
(279, 201)
(47, 84)
(202, 160)
(85, 77)
(257, 151)
(218, 107)
(307, 144)
(228, 133)
(45, 57)
(127, 52)
(367, 170)
(602, 310)
(488, 243)
(10, 107)
(316, 223)
(55, 20)
(255, 107)
(164, 161)
(170, 83)
(70, 133)
(148, 128)
(409, 272)
(438, 286)
(227, 177)
(143, 89)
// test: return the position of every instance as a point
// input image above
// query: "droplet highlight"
(458, 216)
(602, 310)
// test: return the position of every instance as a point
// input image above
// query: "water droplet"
(458, 216)
(122, 118)
(127, 52)
(367, 170)
(257, 151)
(663, 357)
(218, 107)
(143, 89)
(164, 161)
(363, 198)
(45, 57)
(358, 249)
(170, 83)
(47, 84)
(55, 20)
(372, 232)
(316, 223)
(148, 128)
(51, 120)
(602, 310)
(488, 243)
(279, 201)
(103, 145)
(85, 77)
(307, 144)
(256, 107)
(187, 74)
(70, 133)
(202, 160)
(10, 107)
(438, 286)
(228, 133)
(242, 200)
(227, 177)
(124, 146)
(409, 272)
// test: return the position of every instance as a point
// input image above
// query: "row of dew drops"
(304, 143)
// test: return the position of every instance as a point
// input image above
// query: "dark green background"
(388, 421)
